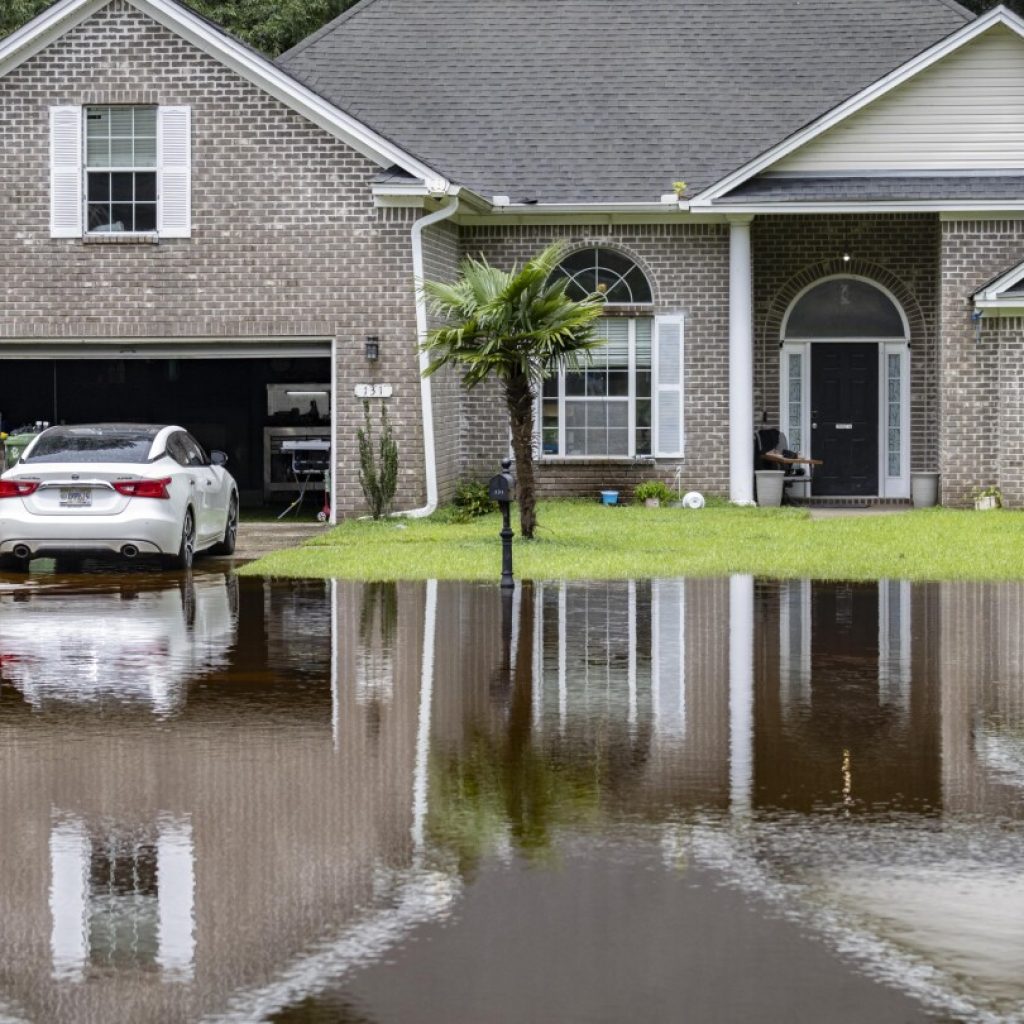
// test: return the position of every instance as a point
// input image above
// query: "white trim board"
(973, 29)
(67, 14)
(169, 348)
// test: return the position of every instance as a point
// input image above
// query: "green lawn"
(584, 540)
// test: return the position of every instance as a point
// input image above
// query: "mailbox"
(502, 487)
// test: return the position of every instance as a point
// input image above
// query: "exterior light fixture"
(372, 348)
(846, 257)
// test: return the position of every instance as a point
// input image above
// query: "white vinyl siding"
(668, 386)
(963, 113)
(65, 172)
(174, 183)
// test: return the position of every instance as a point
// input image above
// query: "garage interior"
(245, 407)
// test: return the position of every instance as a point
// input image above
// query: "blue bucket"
(609, 497)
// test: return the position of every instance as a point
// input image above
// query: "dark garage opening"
(240, 406)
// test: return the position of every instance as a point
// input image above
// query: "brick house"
(196, 234)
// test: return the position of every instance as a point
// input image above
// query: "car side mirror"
(218, 458)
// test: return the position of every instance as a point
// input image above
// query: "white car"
(119, 488)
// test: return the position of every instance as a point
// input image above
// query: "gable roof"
(605, 101)
(64, 15)
(1004, 293)
(998, 16)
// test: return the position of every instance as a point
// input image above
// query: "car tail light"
(143, 488)
(18, 488)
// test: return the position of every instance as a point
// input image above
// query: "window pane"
(643, 413)
(550, 440)
(145, 217)
(640, 290)
(618, 442)
(643, 441)
(121, 154)
(576, 442)
(99, 216)
(550, 389)
(99, 187)
(597, 414)
(121, 121)
(575, 383)
(97, 152)
(643, 384)
(97, 122)
(618, 415)
(575, 414)
(121, 187)
(145, 152)
(597, 383)
(122, 218)
(643, 342)
(145, 121)
(597, 443)
(612, 274)
(145, 188)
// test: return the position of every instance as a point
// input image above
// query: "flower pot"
(985, 504)
(652, 502)
(609, 497)
(924, 489)
(768, 485)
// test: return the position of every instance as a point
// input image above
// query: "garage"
(248, 399)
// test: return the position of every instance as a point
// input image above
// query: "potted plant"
(652, 493)
(986, 498)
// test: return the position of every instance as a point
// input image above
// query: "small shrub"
(471, 499)
(378, 472)
(652, 489)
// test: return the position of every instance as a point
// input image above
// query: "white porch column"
(741, 363)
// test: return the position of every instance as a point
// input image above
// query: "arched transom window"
(607, 272)
(627, 403)
(844, 307)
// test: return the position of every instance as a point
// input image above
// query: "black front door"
(844, 418)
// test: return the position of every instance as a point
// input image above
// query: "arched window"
(607, 409)
(607, 272)
(844, 307)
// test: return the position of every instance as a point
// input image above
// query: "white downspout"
(426, 396)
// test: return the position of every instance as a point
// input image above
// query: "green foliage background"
(274, 26)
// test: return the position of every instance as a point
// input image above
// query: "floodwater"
(231, 800)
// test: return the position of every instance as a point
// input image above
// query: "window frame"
(630, 400)
(119, 169)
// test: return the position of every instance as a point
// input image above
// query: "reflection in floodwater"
(233, 800)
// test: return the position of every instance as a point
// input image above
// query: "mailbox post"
(501, 489)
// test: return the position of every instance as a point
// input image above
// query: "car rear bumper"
(56, 535)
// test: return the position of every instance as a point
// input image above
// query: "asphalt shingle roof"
(605, 100)
(779, 191)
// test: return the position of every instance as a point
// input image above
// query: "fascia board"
(1001, 307)
(922, 206)
(66, 14)
(962, 36)
(44, 29)
(991, 291)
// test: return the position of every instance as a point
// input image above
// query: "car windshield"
(93, 444)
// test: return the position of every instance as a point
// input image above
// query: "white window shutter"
(668, 386)
(66, 199)
(174, 161)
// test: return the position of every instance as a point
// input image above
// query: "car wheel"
(227, 545)
(187, 550)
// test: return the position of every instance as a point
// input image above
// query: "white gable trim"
(66, 14)
(997, 16)
(991, 297)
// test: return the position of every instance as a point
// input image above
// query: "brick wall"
(899, 252)
(688, 267)
(982, 430)
(285, 237)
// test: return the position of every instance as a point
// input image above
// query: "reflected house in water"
(325, 764)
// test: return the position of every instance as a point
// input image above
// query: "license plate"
(70, 498)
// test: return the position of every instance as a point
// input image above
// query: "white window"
(628, 401)
(120, 170)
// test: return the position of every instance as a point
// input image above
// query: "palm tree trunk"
(519, 397)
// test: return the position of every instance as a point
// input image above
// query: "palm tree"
(517, 326)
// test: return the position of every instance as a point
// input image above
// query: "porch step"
(893, 503)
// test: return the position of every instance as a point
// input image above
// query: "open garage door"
(242, 396)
